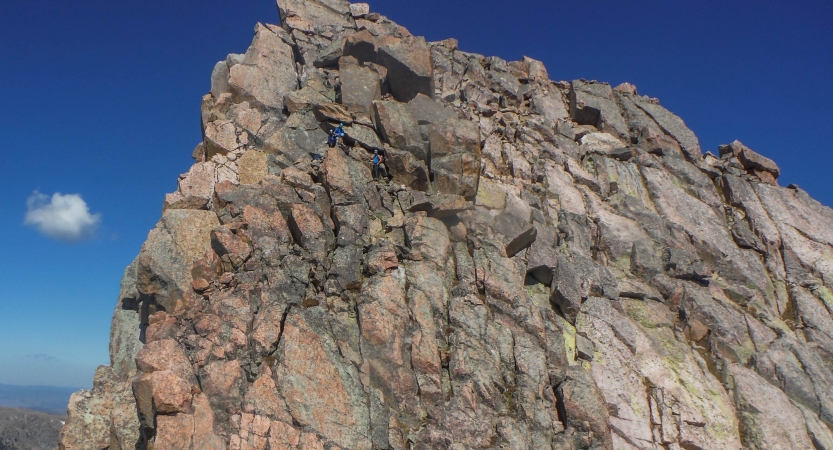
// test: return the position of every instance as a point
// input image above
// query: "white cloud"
(63, 217)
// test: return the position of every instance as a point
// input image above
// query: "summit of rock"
(542, 265)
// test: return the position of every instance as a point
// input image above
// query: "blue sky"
(101, 99)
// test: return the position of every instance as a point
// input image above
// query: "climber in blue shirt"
(340, 131)
(377, 162)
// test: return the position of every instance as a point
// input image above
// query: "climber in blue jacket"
(377, 162)
(332, 138)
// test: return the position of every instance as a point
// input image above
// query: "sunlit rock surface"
(542, 265)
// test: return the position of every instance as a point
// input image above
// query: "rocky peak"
(547, 265)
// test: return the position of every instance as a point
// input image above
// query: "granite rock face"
(539, 265)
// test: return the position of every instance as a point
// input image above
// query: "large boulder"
(529, 69)
(426, 110)
(364, 135)
(222, 137)
(455, 156)
(755, 163)
(364, 46)
(252, 167)
(267, 71)
(332, 112)
(766, 414)
(550, 104)
(398, 128)
(164, 264)
(410, 68)
(312, 16)
(304, 99)
(601, 143)
(329, 55)
(543, 259)
(105, 417)
(673, 126)
(310, 231)
(196, 188)
(454, 136)
(360, 85)
(163, 392)
(219, 78)
(581, 401)
(593, 103)
(513, 222)
(407, 170)
(644, 130)
(407, 59)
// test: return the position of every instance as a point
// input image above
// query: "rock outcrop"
(545, 265)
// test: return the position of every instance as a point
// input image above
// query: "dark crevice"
(283, 323)
(146, 306)
(560, 409)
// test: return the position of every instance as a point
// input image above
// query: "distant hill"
(48, 399)
(22, 429)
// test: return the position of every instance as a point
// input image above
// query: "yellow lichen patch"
(539, 294)
(636, 310)
(701, 387)
(636, 404)
(490, 195)
(671, 349)
(624, 261)
(825, 295)
(599, 357)
(745, 350)
(569, 333)
(778, 325)
(656, 313)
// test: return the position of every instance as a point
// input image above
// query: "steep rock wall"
(544, 265)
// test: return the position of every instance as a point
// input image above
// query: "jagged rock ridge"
(549, 265)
